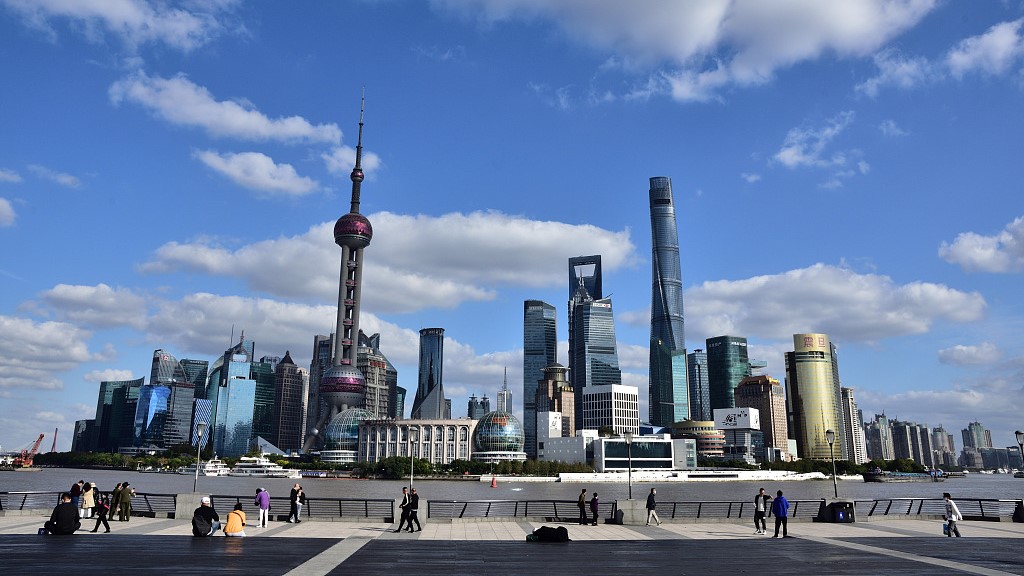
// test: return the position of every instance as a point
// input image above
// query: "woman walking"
(102, 509)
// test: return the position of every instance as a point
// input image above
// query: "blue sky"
(171, 170)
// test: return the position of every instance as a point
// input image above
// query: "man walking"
(405, 510)
(582, 505)
(414, 507)
(953, 516)
(760, 509)
(780, 509)
(651, 505)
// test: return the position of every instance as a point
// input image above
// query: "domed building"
(498, 437)
(341, 437)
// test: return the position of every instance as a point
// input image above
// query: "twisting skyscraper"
(343, 385)
(668, 392)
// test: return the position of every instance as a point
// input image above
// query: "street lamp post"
(629, 457)
(830, 437)
(200, 430)
(1020, 446)
(414, 433)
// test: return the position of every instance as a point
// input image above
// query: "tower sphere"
(353, 230)
(342, 386)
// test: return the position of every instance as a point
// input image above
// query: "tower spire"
(357, 170)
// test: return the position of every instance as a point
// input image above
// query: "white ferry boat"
(260, 467)
(214, 467)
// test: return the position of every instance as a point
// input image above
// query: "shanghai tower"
(343, 385)
(668, 392)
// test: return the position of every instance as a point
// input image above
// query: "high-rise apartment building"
(766, 395)
(540, 350)
(430, 403)
(854, 428)
(813, 403)
(728, 364)
(977, 436)
(291, 387)
(611, 405)
(668, 391)
(878, 436)
(697, 377)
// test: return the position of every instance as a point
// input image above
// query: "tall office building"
(540, 349)
(381, 377)
(593, 359)
(878, 437)
(668, 392)
(700, 393)
(291, 385)
(728, 364)
(812, 397)
(343, 386)
(555, 394)
(323, 355)
(766, 395)
(611, 405)
(478, 407)
(505, 395)
(115, 413)
(584, 285)
(232, 393)
(164, 413)
(263, 372)
(858, 452)
(196, 373)
(430, 403)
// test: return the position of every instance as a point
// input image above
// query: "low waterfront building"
(655, 452)
(438, 441)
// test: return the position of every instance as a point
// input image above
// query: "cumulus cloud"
(1001, 253)
(984, 353)
(258, 171)
(805, 146)
(848, 306)
(97, 306)
(108, 375)
(61, 178)
(7, 214)
(340, 160)
(9, 175)
(993, 52)
(418, 261)
(34, 354)
(180, 101)
(896, 70)
(708, 46)
(135, 22)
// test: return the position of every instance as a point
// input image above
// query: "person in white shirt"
(953, 516)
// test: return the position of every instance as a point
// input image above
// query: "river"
(999, 486)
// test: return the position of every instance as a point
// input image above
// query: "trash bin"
(843, 512)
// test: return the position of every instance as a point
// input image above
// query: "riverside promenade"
(165, 546)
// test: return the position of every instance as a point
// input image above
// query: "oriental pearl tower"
(343, 385)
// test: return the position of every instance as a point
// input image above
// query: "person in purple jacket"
(263, 502)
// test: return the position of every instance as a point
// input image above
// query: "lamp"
(830, 437)
(414, 433)
(200, 430)
(629, 456)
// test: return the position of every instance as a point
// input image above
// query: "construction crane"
(24, 460)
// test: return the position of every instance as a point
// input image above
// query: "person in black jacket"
(652, 506)
(102, 508)
(414, 505)
(64, 520)
(205, 516)
(761, 508)
(405, 510)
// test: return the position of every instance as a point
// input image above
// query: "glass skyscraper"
(540, 350)
(290, 383)
(115, 413)
(232, 392)
(430, 403)
(728, 364)
(593, 359)
(163, 416)
(668, 392)
(697, 377)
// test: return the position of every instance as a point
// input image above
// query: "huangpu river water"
(999, 486)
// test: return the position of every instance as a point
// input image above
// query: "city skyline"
(851, 172)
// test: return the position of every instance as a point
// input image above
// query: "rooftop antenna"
(357, 171)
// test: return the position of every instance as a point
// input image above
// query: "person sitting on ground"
(236, 522)
(205, 520)
(64, 520)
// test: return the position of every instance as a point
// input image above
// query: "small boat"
(260, 467)
(214, 467)
(883, 476)
(956, 474)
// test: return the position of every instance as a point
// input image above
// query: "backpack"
(201, 526)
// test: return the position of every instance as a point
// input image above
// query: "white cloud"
(9, 175)
(180, 101)
(889, 128)
(863, 167)
(108, 375)
(258, 171)
(973, 252)
(34, 354)
(414, 262)
(97, 306)
(135, 22)
(993, 52)
(984, 353)
(341, 159)
(896, 70)
(848, 306)
(805, 146)
(750, 178)
(708, 46)
(7, 214)
(61, 178)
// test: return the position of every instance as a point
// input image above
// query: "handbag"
(945, 529)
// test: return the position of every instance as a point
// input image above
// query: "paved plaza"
(162, 546)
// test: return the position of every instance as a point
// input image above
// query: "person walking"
(760, 510)
(414, 508)
(124, 512)
(235, 527)
(88, 500)
(652, 504)
(582, 505)
(115, 500)
(102, 509)
(953, 516)
(293, 496)
(300, 501)
(263, 502)
(780, 509)
(405, 509)
(594, 505)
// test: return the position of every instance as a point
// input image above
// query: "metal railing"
(550, 509)
(970, 508)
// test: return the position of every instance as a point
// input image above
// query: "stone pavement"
(147, 545)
